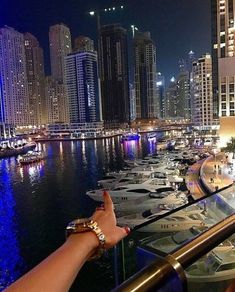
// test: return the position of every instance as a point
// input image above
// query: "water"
(37, 201)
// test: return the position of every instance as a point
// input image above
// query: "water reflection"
(11, 263)
(58, 184)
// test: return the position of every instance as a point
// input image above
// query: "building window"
(223, 88)
(223, 106)
(231, 87)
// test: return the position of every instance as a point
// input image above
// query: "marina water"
(37, 201)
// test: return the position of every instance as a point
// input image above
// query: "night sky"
(176, 26)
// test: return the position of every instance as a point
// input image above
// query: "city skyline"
(165, 22)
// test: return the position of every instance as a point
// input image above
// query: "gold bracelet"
(84, 225)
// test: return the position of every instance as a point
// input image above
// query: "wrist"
(87, 239)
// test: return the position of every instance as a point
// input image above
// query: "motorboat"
(218, 265)
(182, 220)
(30, 157)
(15, 147)
(129, 192)
(169, 243)
(165, 196)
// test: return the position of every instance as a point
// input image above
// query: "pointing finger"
(108, 203)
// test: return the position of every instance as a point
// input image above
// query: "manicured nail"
(127, 229)
(105, 193)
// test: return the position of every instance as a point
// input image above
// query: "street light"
(134, 28)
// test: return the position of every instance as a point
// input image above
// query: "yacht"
(182, 220)
(15, 147)
(30, 157)
(218, 265)
(161, 198)
(130, 191)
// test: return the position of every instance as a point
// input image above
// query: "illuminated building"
(132, 103)
(147, 105)
(60, 46)
(223, 55)
(114, 74)
(54, 91)
(35, 77)
(160, 85)
(83, 44)
(14, 77)
(81, 75)
(170, 99)
(202, 104)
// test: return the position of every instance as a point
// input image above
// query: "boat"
(30, 157)
(130, 136)
(16, 147)
(162, 197)
(218, 265)
(129, 192)
(182, 220)
(169, 243)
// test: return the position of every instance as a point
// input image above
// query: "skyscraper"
(14, 77)
(114, 74)
(54, 91)
(60, 46)
(183, 101)
(35, 77)
(81, 74)
(147, 105)
(202, 109)
(171, 99)
(223, 55)
(160, 85)
(83, 44)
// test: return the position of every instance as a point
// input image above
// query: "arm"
(58, 271)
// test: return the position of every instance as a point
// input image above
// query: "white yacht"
(182, 220)
(218, 265)
(172, 199)
(130, 191)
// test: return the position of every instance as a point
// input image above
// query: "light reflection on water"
(49, 194)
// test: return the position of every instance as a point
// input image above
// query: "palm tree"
(230, 147)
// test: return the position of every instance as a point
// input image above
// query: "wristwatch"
(84, 225)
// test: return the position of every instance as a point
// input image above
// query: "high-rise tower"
(147, 105)
(202, 108)
(81, 73)
(60, 46)
(36, 78)
(14, 77)
(223, 56)
(114, 74)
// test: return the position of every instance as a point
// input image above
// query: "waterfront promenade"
(207, 176)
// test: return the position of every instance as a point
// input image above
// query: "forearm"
(57, 272)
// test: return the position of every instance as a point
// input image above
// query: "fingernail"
(127, 229)
(105, 193)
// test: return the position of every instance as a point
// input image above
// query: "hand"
(106, 220)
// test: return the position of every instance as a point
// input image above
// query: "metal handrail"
(153, 276)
